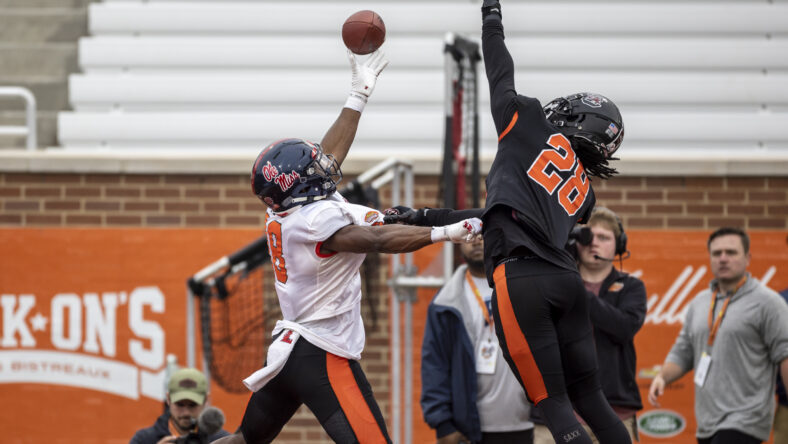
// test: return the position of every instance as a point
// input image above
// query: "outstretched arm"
(398, 238)
(426, 217)
(498, 64)
(340, 136)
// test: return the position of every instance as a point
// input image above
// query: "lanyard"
(479, 299)
(714, 324)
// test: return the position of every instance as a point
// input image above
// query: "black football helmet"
(588, 117)
(293, 172)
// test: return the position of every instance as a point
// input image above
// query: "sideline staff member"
(467, 390)
(735, 337)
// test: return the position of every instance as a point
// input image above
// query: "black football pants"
(335, 389)
(542, 323)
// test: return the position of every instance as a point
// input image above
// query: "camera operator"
(188, 419)
(617, 309)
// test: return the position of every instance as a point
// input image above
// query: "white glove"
(364, 77)
(463, 231)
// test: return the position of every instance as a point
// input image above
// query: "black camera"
(208, 424)
(579, 235)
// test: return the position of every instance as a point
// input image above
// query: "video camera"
(209, 423)
(579, 235)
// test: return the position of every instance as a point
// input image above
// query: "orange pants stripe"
(353, 404)
(515, 340)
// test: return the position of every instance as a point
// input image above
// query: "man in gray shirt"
(735, 337)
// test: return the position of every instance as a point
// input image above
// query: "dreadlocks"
(594, 162)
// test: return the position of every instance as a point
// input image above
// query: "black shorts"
(335, 390)
(542, 323)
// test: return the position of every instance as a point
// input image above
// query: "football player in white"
(317, 242)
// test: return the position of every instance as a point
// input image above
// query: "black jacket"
(159, 429)
(616, 315)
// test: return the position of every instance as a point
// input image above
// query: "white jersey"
(321, 293)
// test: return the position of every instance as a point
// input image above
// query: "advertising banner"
(674, 265)
(87, 318)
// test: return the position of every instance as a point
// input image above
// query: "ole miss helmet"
(588, 118)
(294, 172)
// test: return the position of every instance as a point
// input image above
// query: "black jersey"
(537, 189)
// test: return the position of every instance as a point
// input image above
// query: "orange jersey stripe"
(509, 128)
(352, 401)
(515, 340)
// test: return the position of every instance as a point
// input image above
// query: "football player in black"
(538, 188)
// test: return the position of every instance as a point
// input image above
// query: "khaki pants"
(542, 434)
(781, 425)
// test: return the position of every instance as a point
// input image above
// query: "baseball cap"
(187, 383)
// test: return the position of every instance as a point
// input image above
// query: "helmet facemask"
(293, 172)
(594, 126)
(320, 182)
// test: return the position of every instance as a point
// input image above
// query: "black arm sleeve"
(437, 217)
(499, 66)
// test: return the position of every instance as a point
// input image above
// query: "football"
(363, 32)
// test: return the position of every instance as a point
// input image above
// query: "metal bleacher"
(700, 78)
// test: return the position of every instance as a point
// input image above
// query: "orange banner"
(674, 267)
(88, 317)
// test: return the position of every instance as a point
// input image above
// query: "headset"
(621, 239)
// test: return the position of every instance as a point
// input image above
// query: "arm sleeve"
(436, 390)
(499, 66)
(681, 353)
(438, 217)
(775, 328)
(622, 321)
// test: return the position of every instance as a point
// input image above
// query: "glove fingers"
(352, 58)
(381, 67)
(377, 62)
(374, 57)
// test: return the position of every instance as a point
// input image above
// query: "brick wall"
(225, 201)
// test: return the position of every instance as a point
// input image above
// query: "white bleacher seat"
(435, 17)
(382, 128)
(608, 53)
(699, 76)
(271, 91)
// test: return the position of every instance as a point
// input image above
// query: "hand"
(657, 389)
(466, 230)
(491, 7)
(405, 215)
(453, 438)
(365, 75)
(167, 439)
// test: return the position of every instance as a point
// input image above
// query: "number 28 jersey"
(537, 189)
(321, 292)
